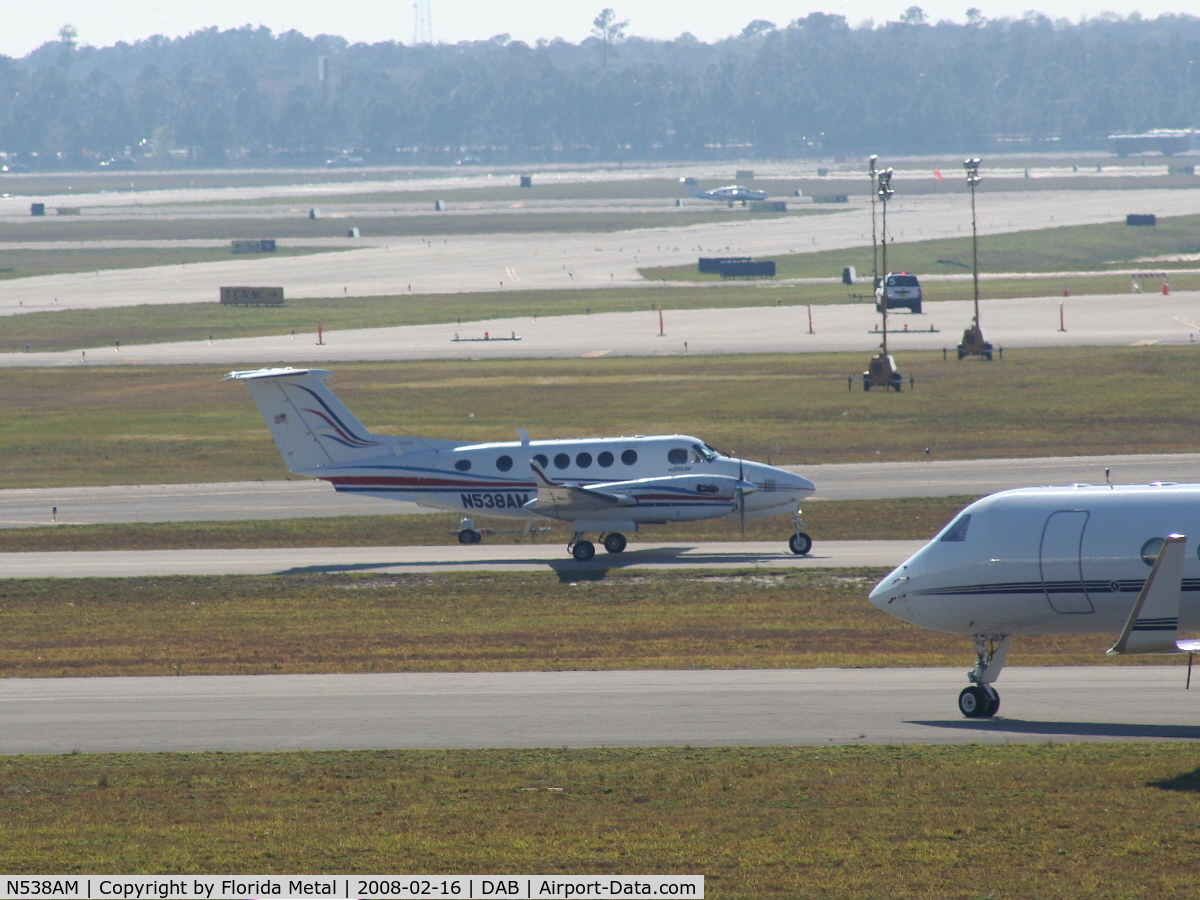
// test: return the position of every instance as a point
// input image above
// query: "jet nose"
(892, 592)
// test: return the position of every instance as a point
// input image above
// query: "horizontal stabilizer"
(1153, 625)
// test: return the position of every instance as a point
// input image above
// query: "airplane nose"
(800, 483)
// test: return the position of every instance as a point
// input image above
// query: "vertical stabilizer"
(310, 425)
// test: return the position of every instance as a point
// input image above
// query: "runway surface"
(450, 558)
(565, 260)
(250, 500)
(770, 707)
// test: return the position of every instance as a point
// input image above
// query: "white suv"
(900, 289)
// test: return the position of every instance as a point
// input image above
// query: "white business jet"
(1084, 559)
(606, 485)
(728, 194)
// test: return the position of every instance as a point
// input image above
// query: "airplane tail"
(693, 188)
(311, 427)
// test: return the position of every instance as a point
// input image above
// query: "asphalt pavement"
(768, 707)
(507, 557)
(247, 500)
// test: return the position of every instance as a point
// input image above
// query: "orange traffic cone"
(1166, 287)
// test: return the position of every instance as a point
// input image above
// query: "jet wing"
(569, 501)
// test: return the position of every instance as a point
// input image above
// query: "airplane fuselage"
(1047, 561)
(683, 480)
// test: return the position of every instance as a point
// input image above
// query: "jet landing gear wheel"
(583, 550)
(469, 536)
(979, 701)
(800, 543)
(614, 542)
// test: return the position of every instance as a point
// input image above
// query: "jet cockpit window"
(677, 456)
(958, 529)
(704, 452)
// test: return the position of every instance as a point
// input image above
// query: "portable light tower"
(881, 370)
(973, 343)
(874, 242)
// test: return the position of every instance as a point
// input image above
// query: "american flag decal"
(281, 419)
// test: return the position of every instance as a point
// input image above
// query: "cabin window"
(540, 459)
(583, 460)
(958, 529)
(1151, 549)
(561, 460)
(504, 463)
(629, 457)
(463, 465)
(605, 459)
(677, 456)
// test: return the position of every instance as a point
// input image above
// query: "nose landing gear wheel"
(979, 701)
(800, 543)
(583, 550)
(615, 542)
(469, 536)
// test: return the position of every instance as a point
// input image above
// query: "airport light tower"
(881, 371)
(874, 243)
(973, 343)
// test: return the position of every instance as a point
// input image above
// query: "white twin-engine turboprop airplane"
(606, 485)
(1084, 559)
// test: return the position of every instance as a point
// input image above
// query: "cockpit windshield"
(705, 452)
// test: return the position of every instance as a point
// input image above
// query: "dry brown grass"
(539, 621)
(1105, 822)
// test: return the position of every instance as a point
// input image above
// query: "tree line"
(816, 86)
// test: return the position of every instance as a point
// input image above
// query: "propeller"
(740, 494)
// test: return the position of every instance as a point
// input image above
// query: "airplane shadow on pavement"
(1070, 729)
(568, 569)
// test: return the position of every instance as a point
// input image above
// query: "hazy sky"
(103, 22)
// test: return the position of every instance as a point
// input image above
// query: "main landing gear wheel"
(469, 536)
(583, 550)
(979, 701)
(800, 543)
(615, 542)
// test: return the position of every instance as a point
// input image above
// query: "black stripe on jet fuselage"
(1052, 587)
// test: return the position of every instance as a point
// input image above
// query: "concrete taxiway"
(248, 500)
(1091, 320)
(525, 557)
(785, 707)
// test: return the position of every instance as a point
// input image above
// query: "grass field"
(906, 518)
(480, 622)
(1084, 248)
(28, 263)
(1060, 822)
(333, 225)
(168, 424)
